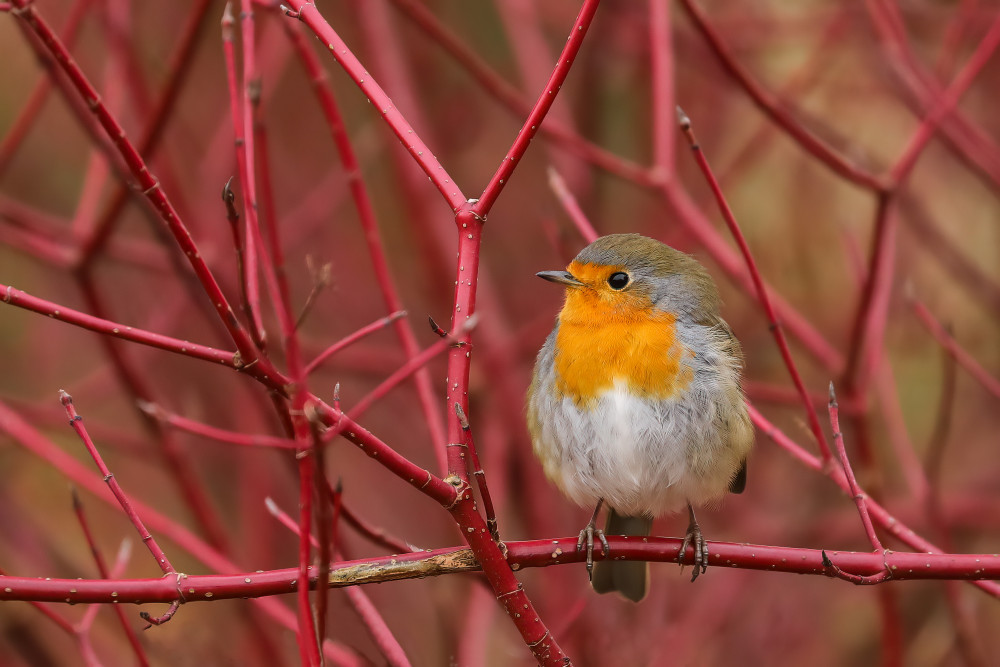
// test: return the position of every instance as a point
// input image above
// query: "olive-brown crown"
(670, 279)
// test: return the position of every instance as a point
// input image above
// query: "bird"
(635, 401)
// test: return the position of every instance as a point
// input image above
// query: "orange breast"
(604, 339)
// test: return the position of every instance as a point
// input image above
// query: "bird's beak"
(562, 277)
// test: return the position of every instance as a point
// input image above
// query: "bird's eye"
(618, 280)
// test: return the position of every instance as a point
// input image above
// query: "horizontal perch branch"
(534, 553)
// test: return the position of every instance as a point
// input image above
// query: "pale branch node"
(462, 560)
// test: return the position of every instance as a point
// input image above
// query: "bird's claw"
(695, 538)
(587, 537)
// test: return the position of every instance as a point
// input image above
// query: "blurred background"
(841, 89)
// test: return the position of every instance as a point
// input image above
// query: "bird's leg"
(694, 537)
(587, 537)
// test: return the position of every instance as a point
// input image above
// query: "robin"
(635, 401)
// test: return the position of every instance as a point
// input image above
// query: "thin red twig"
(761, 290)
(213, 433)
(538, 112)
(479, 474)
(364, 331)
(76, 422)
(860, 499)
(16, 297)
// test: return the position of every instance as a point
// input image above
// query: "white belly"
(641, 457)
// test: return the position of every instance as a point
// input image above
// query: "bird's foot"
(587, 538)
(693, 537)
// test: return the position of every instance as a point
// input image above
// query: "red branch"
(533, 553)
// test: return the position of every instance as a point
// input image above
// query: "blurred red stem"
(178, 69)
(213, 433)
(940, 248)
(571, 206)
(772, 107)
(418, 150)
(873, 310)
(493, 84)
(482, 207)
(30, 112)
(240, 115)
(948, 342)
(388, 645)
(662, 79)
(102, 569)
(968, 142)
(946, 102)
(369, 223)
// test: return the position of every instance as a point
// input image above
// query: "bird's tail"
(628, 577)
